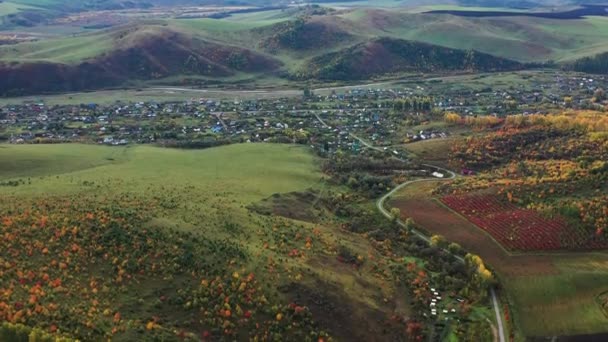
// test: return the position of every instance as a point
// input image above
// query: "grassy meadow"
(191, 207)
(59, 50)
(563, 302)
(250, 172)
(148, 94)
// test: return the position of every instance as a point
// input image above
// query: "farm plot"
(520, 229)
(545, 290)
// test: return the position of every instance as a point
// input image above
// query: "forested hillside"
(594, 65)
(386, 55)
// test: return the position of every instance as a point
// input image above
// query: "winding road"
(380, 204)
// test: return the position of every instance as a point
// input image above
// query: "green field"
(223, 25)
(38, 161)
(41, 3)
(59, 50)
(10, 7)
(427, 8)
(563, 303)
(251, 172)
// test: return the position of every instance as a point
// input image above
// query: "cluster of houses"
(327, 120)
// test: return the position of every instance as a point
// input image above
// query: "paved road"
(496, 305)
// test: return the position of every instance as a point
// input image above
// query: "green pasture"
(39, 3)
(158, 94)
(221, 25)
(427, 8)
(244, 173)
(10, 7)
(60, 50)
(563, 303)
(25, 161)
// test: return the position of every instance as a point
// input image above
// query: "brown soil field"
(418, 204)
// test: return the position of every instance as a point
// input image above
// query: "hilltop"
(135, 53)
(203, 45)
(305, 33)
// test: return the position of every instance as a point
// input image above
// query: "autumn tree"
(454, 248)
(395, 214)
(414, 330)
(438, 241)
(452, 118)
(480, 277)
(599, 95)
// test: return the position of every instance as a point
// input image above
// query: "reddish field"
(439, 220)
(520, 229)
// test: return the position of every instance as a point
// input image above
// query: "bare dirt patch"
(299, 206)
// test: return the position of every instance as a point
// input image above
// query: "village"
(328, 120)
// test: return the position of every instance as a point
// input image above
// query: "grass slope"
(545, 302)
(193, 209)
(48, 160)
(60, 50)
(254, 171)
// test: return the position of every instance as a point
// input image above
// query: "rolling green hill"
(144, 243)
(520, 38)
(118, 56)
(293, 41)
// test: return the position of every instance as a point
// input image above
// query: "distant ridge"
(578, 13)
(140, 53)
